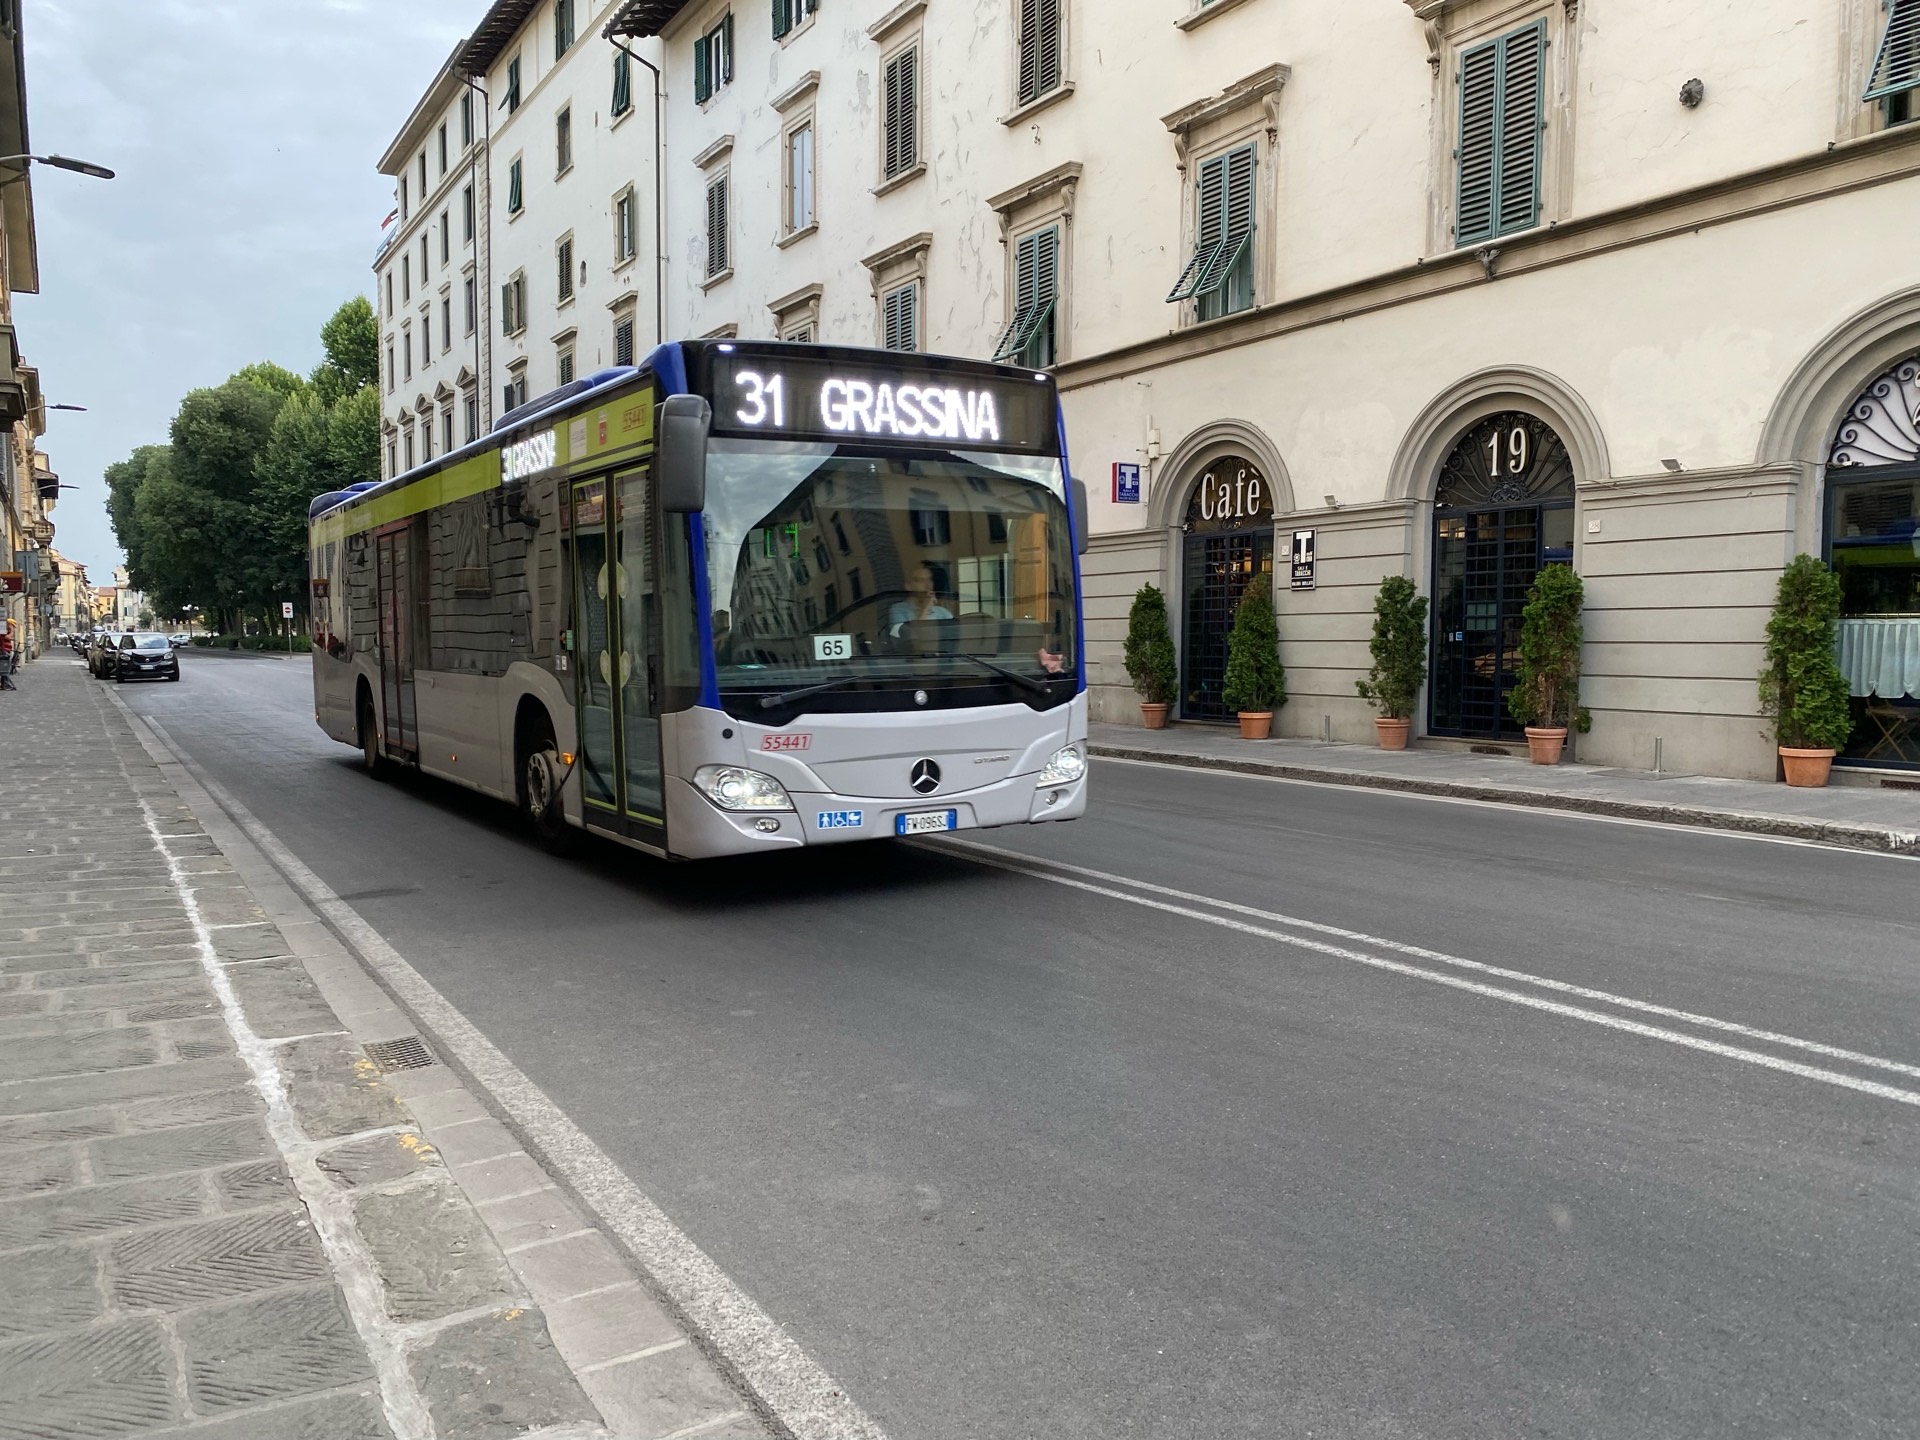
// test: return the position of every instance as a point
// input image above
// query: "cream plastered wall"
(608, 156)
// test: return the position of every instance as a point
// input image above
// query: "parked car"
(103, 652)
(145, 656)
(179, 640)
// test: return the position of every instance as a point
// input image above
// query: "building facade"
(72, 598)
(1449, 289)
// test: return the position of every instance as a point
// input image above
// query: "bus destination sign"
(822, 399)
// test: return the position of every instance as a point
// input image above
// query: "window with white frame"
(1218, 277)
(797, 316)
(406, 437)
(446, 240)
(406, 278)
(562, 27)
(900, 113)
(511, 102)
(900, 317)
(516, 195)
(403, 197)
(470, 298)
(514, 392)
(393, 456)
(470, 403)
(713, 60)
(446, 427)
(443, 147)
(392, 378)
(1040, 35)
(622, 84)
(563, 268)
(719, 261)
(423, 175)
(466, 120)
(790, 15)
(466, 215)
(406, 352)
(389, 294)
(563, 141)
(426, 335)
(625, 226)
(446, 323)
(1028, 339)
(426, 435)
(799, 168)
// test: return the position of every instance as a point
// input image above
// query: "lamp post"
(58, 162)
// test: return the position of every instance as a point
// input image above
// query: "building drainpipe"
(659, 202)
(483, 259)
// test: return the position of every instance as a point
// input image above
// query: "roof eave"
(16, 197)
(644, 19)
(447, 82)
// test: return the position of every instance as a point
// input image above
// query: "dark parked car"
(103, 650)
(145, 657)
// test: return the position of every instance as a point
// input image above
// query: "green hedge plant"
(1150, 660)
(1546, 693)
(1255, 681)
(1399, 648)
(1802, 687)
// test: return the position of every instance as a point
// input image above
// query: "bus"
(739, 598)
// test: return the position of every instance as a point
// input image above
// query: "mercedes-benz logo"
(925, 777)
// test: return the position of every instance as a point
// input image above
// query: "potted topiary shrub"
(1150, 660)
(1802, 687)
(1546, 694)
(1399, 648)
(1255, 685)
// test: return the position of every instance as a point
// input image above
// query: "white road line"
(406, 1409)
(1453, 982)
(1515, 807)
(1645, 1007)
(735, 1331)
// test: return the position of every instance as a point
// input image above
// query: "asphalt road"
(1016, 1157)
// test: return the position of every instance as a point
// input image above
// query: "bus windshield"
(881, 580)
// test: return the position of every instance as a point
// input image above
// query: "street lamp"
(80, 408)
(58, 162)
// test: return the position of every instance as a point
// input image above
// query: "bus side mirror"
(1080, 515)
(680, 454)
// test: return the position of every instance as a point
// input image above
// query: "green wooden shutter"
(1210, 213)
(899, 319)
(513, 188)
(717, 226)
(782, 18)
(1523, 63)
(902, 98)
(1036, 278)
(622, 82)
(702, 71)
(1502, 95)
(1039, 48)
(562, 27)
(1479, 110)
(1896, 67)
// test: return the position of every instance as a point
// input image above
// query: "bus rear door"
(398, 580)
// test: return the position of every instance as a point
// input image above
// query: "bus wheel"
(541, 777)
(369, 737)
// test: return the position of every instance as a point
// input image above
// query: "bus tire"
(370, 758)
(541, 779)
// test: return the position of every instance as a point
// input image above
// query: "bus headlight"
(732, 788)
(1066, 766)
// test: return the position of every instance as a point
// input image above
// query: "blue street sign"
(1126, 484)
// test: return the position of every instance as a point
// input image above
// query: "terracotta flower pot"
(1154, 717)
(1806, 769)
(1392, 733)
(1254, 724)
(1544, 744)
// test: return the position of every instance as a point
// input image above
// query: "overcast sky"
(245, 135)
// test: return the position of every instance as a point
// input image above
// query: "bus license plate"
(926, 822)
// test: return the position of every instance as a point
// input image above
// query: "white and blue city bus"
(740, 598)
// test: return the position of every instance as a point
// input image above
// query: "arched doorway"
(1229, 540)
(1502, 510)
(1872, 533)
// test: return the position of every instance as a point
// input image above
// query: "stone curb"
(1825, 832)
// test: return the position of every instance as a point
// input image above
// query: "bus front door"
(616, 646)
(394, 561)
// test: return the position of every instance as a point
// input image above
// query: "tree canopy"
(215, 520)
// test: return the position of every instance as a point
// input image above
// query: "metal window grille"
(622, 82)
(563, 141)
(1224, 196)
(1896, 67)
(1028, 338)
(901, 89)
(717, 260)
(623, 340)
(563, 255)
(1039, 48)
(1501, 91)
(900, 317)
(513, 188)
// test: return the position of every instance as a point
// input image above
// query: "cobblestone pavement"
(218, 1215)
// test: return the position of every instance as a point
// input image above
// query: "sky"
(246, 208)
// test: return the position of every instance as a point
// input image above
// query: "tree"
(1151, 663)
(1255, 680)
(1802, 687)
(352, 342)
(355, 438)
(1398, 647)
(124, 479)
(1546, 691)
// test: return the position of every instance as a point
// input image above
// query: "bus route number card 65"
(926, 822)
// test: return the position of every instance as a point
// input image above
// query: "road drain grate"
(407, 1053)
(1488, 750)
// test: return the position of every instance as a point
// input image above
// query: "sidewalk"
(239, 1198)
(1858, 817)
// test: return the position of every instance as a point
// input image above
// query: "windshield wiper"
(1025, 682)
(787, 697)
